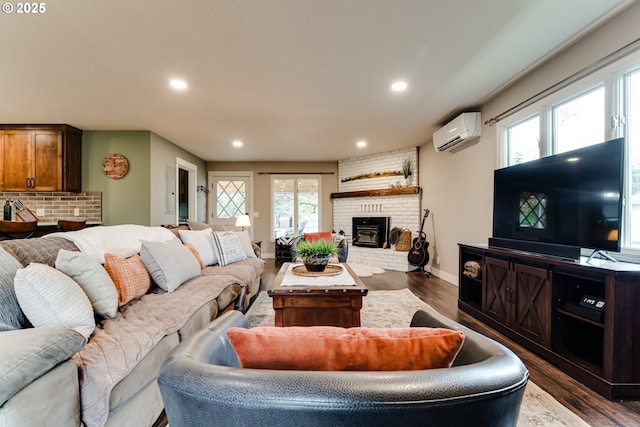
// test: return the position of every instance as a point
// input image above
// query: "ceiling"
(293, 79)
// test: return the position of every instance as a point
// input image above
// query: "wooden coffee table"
(317, 305)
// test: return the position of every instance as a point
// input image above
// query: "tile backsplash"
(59, 204)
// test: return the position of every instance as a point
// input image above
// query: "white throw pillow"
(49, 297)
(229, 249)
(169, 263)
(92, 278)
(245, 239)
(202, 240)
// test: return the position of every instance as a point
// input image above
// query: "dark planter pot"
(316, 264)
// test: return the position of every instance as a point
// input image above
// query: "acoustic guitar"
(418, 254)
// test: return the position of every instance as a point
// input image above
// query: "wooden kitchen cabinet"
(41, 158)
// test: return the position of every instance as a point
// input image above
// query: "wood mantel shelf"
(396, 191)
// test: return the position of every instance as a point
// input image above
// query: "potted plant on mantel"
(406, 171)
(315, 255)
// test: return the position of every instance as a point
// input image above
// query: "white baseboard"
(445, 276)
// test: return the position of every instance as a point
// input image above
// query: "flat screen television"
(559, 204)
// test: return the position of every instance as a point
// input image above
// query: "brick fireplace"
(377, 195)
(370, 231)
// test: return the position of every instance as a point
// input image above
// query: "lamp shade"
(243, 221)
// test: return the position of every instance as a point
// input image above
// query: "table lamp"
(243, 221)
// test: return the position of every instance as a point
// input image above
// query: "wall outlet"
(40, 212)
(76, 212)
(438, 260)
(256, 214)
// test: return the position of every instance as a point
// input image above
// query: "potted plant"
(315, 255)
(406, 171)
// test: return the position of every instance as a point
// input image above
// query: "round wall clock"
(115, 166)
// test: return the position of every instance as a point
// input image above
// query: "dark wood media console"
(535, 300)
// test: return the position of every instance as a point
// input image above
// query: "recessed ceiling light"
(361, 144)
(178, 84)
(399, 86)
(237, 143)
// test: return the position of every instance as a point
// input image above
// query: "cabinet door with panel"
(47, 163)
(2, 160)
(496, 297)
(531, 303)
(519, 296)
(41, 158)
(18, 160)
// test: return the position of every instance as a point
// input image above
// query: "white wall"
(163, 159)
(458, 191)
(458, 187)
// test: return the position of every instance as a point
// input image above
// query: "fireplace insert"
(370, 231)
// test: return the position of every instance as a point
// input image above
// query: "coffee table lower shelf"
(317, 306)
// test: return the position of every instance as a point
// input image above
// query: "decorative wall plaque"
(115, 166)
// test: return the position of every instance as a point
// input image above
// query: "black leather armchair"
(202, 385)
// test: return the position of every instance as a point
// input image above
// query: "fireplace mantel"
(395, 191)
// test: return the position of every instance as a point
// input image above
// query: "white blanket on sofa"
(123, 240)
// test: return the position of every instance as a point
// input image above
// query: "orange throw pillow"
(195, 253)
(328, 348)
(130, 276)
(321, 235)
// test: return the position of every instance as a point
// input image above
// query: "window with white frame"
(523, 141)
(579, 121)
(295, 205)
(631, 122)
(602, 106)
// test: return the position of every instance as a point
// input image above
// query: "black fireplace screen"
(371, 232)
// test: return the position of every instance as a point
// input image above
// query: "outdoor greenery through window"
(579, 122)
(533, 210)
(523, 141)
(600, 107)
(296, 205)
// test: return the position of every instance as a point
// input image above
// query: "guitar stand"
(425, 272)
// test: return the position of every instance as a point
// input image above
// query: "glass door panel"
(295, 205)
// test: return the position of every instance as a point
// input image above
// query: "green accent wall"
(125, 200)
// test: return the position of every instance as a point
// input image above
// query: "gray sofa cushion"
(10, 312)
(43, 251)
(28, 353)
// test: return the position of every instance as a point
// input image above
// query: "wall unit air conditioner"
(463, 129)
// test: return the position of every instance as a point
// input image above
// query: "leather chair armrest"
(201, 384)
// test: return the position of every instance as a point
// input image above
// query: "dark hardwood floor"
(443, 296)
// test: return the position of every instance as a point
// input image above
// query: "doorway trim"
(191, 186)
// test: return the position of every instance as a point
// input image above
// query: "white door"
(230, 197)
